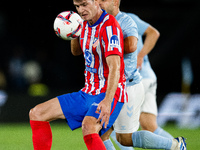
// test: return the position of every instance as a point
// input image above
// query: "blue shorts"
(77, 105)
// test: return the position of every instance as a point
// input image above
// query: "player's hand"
(139, 62)
(104, 109)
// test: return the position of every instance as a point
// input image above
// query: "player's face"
(107, 5)
(86, 8)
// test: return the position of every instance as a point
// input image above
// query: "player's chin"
(85, 17)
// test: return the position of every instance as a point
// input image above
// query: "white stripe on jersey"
(121, 89)
(109, 34)
(118, 33)
(105, 19)
(93, 58)
(101, 71)
(84, 49)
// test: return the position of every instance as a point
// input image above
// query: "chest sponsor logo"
(88, 57)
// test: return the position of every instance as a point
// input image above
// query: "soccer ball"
(68, 25)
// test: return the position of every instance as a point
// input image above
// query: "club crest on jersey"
(96, 42)
(114, 41)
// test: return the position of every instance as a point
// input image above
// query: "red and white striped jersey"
(98, 41)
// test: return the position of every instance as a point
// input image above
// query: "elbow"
(131, 49)
(76, 52)
(157, 34)
(153, 32)
(73, 53)
(134, 48)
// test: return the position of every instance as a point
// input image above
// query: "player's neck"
(115, 12)
(96, 17)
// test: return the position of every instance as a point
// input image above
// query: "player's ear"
(96, 2)
(116, 2)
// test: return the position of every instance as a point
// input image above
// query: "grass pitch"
(17, 136)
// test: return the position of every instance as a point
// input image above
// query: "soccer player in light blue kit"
(127, 123)
(148, 117)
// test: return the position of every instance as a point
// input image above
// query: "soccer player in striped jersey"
(96, 106)
(127, 123)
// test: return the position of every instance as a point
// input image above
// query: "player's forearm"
(151, 38)
(113, 79)
(75, 47)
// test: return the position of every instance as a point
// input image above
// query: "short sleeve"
(129, 27)
(112, 40)
(142, 25)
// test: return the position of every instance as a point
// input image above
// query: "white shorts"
(128, 119)
(149, 105)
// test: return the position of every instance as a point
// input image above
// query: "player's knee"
(149, 127)
(35, 114)
(89, 126)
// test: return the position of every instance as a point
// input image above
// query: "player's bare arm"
(151, 36)
(113, 62)
(75, 47)
(130, 44)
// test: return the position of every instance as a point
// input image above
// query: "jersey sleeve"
(129, 27)
(142, 25)
(112, 39)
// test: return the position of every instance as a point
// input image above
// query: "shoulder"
(110, 22)
(123, 16)
(133, 16)
(110, 19)
(142, 25)
(125, 20)
(137, 20)
(127, 24)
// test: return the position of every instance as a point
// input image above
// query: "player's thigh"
(128, 119)
(150, 104)
(47, 111)
(107, 134)
(149, 107)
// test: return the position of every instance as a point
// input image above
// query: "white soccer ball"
(68, 25)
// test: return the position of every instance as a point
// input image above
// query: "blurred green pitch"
(17, 136)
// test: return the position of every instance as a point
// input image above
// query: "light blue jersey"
(129, 28)
(146, 71)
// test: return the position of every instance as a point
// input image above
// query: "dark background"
(26, 30)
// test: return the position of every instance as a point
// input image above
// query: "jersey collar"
(99, 20)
